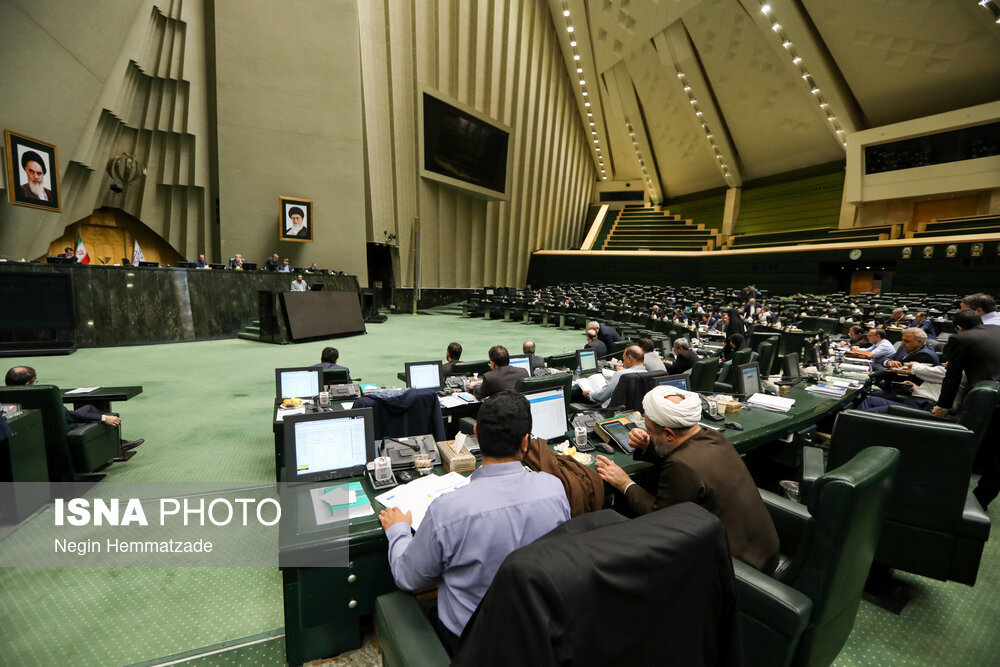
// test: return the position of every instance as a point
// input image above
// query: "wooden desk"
(22, 460)
(101, 398)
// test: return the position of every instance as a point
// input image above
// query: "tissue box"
(461, 462)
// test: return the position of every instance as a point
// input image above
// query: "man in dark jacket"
(605, 334)
(503, 377)
(596, 344)
(684, 357)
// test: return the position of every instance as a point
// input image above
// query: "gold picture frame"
(32, 160)
(295, 220)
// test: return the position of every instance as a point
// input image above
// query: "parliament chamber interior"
(591, 332)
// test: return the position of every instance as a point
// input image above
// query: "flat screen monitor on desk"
(423, 374)
(749, 379)
(790, 366)
(328, 445)
(521, 361)
(548, 414)
(676, 381)
(586, 360)
(297, 382)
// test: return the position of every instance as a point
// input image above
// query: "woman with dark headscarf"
(734, 343)
(735, 325)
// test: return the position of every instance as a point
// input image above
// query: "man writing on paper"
(466, 534)
(697, 465)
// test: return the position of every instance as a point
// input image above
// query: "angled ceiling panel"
(906, 60)
(772, 119)
(618, 26)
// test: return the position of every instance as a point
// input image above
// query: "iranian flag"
(81, 251)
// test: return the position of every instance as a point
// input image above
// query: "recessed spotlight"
(776, 27)
(585, 93)
(687, 89)
(680, 75)
(592, 123)
(699, 113)
(787, 44)
(594, 132)
(572, 43)
(582, 82)
(579, 70)
(765, 9)
(709, 135)
(590, 115)
(565, 12)
(796, 60)
(596, 141)
(814, 91)
(694, 101)
(576, 57)
(569, 28)
(586, 104)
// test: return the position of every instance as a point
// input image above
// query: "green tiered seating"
(967, 226)
(645, 228)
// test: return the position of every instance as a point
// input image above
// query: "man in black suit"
(684, 357)
(913, 348)
(451, 355)
(921, 321)
(605, 334)
(271, 263)
(974, 351)
(503, 377)
(534, 361)
(596, 344)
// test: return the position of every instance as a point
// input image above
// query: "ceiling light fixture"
(565, 12)
(569, 28)
(765, 9)
(576, 56)
(776, 27)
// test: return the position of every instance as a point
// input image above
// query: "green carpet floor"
(205, 414)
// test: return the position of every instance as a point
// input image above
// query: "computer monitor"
(328, 445)
(297, 382)
(748, 379)
(185, 265)
(521, 361)
(423, 374)
(586, 361)
(666, 347)
(790, 366)
(149, 264)
(249, 266)
(548, 413)
(678, 381)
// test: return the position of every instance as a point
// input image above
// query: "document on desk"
(774, 403)
(329, 502)
(417, 495)
(82, 390)
(282, 413)
(451, 401)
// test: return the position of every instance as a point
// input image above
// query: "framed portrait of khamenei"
(32, 178)
(296, 220)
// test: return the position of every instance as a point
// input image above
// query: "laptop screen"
(298, 382)
(548, 413)
(328, 445)
(676, 381)
(423, 375)
(586, 360)
(521, 361)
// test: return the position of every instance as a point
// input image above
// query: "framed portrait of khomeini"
(296, 221)
(32, 178)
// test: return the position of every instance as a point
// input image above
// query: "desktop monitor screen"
(749, 379)
(790, 366)
(586, 360)
(423, 375)
(298, 382)
(678, 381)
(548, 413)
(666, 347)
(521, 361)
(328, 445)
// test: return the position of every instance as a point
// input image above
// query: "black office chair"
(632, 387)
(561, 360)
(549, 381)
(470, 367)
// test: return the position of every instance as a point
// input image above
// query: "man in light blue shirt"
(633, 362)
(466, 535)
(985, 306)
(880, 351)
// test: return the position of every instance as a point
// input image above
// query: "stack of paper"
(416, 496)
(768, 402)
(330, 502)
(827, 390)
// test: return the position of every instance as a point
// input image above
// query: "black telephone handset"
(710, 410)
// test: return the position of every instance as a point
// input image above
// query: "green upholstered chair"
(567, 360)
(978, 407)
(827, 548)
(470, 367)
(933, 526)
(703, 374)
(70, 453)
(727, 374)
(767, 353)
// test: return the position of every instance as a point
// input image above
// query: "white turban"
(670, 414)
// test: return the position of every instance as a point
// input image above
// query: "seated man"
(328, 359)
(465, 535)
(880, 350)
(899, 318)
(921, 321)
(632, 362)
(912, 348)
(271, 263)
(69, 253)
(503, 377)
(605, 334)
(595, 344)
(451, 355)
(684, 357)
(299, 284)
(200, 263)
(25, 376)
(650, 359)
(286, 266)
(922, 396)
(858, 337)
(236, 262)
(534, 361)
(697, 465)
(985, 306)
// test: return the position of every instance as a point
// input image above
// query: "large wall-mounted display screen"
(463, 149)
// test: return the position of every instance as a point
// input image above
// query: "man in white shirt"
(300, 285)
(632, 360)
